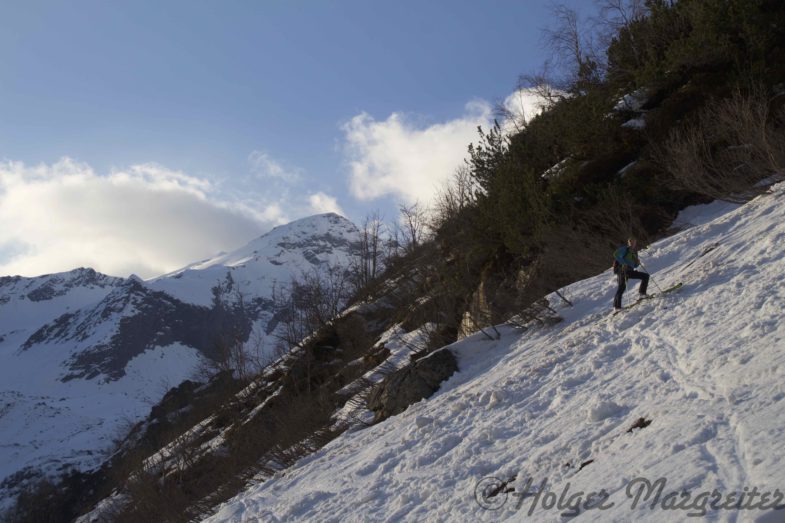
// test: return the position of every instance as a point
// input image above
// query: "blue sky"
(260, 112)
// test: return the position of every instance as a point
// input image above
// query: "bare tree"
(732, 144)
(543, 84)
(455, 195)
(617, 15)
(393, 244)
(259, 351)
(575, 50)
(414, 225)
(368, 258)
(229, 351)
(309, 302)
(564, 39)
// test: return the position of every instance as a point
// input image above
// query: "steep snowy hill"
(688, 387)
(81, 353)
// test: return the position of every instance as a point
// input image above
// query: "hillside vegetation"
(683, 104)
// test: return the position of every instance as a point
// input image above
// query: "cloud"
(146, 219)
(322, 203)
(291, 186)
(396, 157)
(521, 106)
(264, 166)
(399, 158)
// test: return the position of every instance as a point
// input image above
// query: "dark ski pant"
(623, 277)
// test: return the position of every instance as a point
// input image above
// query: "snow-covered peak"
(49, 286)
(317, 225)
(271, 259)
(323, 230)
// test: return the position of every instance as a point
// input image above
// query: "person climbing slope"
(625, 261)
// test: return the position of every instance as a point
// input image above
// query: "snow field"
(705, 365)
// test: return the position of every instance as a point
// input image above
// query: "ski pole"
(650, 276)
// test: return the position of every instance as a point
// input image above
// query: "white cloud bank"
(396, 157)
(150, 220)
(145, 219)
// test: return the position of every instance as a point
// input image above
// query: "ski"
(671, 289)
(649, 297)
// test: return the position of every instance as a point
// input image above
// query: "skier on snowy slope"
(624, 263)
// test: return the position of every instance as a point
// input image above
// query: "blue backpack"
(616, 264)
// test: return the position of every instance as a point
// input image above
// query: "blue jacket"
(626, 256)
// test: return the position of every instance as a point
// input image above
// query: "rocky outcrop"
(416, 381)
(497, 295)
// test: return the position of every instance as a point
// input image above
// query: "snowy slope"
(706, 366)
(83, 354)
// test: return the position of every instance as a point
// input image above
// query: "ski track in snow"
(705, 364)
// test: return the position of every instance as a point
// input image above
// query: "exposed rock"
(496, 296)
(477, 316)
(410, 384)
(640, 423)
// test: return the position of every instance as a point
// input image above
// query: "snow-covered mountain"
(688, 387)
(82, 353)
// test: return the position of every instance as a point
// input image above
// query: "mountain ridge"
(66, 337)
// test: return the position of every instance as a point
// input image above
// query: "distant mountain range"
(83, 353)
